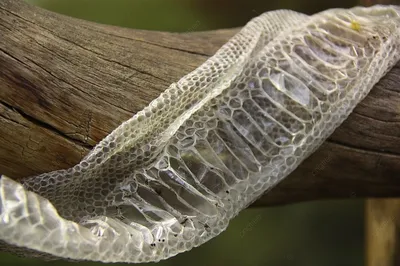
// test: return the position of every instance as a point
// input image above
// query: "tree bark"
(66, 83)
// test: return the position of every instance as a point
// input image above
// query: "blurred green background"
(329, 233)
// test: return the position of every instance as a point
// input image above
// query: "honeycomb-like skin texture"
(172, 177)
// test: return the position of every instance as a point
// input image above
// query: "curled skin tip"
(174, 175)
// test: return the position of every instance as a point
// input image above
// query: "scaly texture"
(172, 177)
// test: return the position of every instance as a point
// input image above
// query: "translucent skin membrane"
(172, 177)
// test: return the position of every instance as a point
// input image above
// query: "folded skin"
(176, 173)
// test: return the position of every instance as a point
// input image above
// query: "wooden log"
(66, 83)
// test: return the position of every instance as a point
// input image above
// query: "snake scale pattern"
(175, 174)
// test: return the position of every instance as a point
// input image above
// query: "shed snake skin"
(174, 175)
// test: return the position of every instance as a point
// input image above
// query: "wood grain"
(66, 83)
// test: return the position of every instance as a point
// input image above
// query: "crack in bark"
(153, 43)
(45, 125)
(375, 118)
(363, 149)
(10, 119)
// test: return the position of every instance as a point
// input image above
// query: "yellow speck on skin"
(355, 25)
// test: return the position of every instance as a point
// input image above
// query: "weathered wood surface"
(66, 83)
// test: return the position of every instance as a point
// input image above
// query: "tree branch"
(66, 83)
